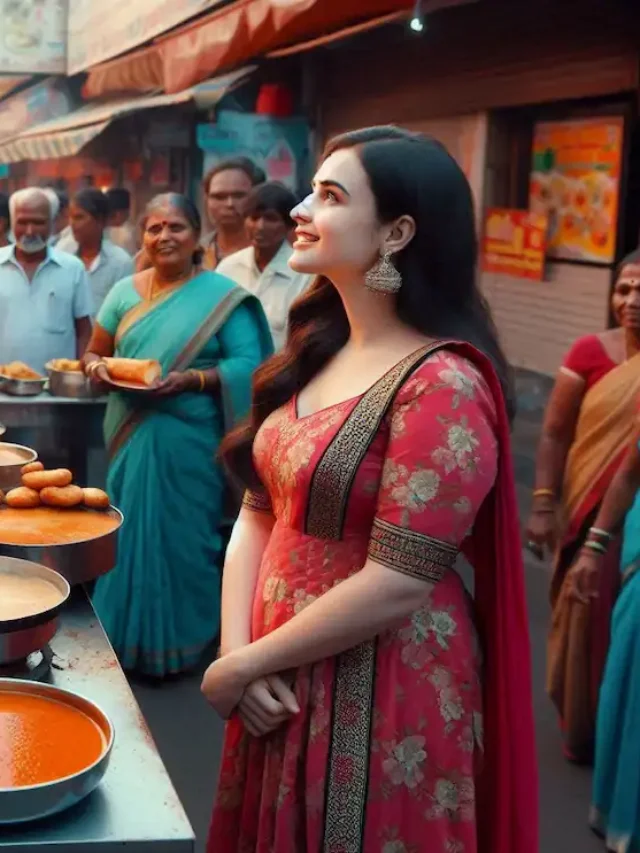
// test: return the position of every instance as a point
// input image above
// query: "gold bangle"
(202, 379)
(94, 365)
(544, 493)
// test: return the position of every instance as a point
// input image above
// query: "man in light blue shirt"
(45, 298)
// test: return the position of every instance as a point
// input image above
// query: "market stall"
(62, 428)
(135, 808)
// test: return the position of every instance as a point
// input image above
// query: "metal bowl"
(19, 637)
(18, 805)
(10, 477)
(66, 383)
(22, 387)
(77, 562)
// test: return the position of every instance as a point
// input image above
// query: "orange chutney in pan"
(42, 740)
(47, 525)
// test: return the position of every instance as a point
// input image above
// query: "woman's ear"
(399, 234)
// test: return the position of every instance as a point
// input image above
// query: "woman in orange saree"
(590, 417)
(373, 706)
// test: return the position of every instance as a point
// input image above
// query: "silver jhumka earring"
(383, 277)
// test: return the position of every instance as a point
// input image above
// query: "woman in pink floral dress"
(372, 705)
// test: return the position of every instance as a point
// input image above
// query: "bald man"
(45, 297)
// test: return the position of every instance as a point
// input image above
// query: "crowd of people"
(333, 361)
(587, 479)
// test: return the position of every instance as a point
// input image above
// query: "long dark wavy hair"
(409, 174)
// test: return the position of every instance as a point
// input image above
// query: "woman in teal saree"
(615, 812)
(160, 604)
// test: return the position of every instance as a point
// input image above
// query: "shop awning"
(235, 34)
(347, 32)
(66, 136)
(49, 146)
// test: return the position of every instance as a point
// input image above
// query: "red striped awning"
(233, 35)
(67, 136)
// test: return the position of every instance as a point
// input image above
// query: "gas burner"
(35, 667)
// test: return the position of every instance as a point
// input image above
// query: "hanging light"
(417, 22)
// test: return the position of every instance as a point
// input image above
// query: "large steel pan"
(78, 562)
(19, 637)
(36, 801)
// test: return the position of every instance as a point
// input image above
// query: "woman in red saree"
(372, 705)
(590, 418)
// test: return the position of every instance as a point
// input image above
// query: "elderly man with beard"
(45, 297)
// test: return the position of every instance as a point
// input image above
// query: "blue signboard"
(279, 146)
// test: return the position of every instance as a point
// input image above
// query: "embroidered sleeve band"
(409, 552)
(257, 501)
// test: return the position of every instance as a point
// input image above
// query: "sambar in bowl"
(55, 748)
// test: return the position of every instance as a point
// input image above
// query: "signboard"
(100, 31)
(575, 180)
(47, 100)
(279, 146)
(33, 36)
(514, 243)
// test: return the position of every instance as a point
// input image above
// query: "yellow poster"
(575, 181)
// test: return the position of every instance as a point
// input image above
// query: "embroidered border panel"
(409, 552)
(348, 774)
(336, 470)
(257, 501)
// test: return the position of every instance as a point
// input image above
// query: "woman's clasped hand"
(263, 704)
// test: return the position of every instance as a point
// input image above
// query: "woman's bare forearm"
(355, 610)
(558, 433)
(621, 494)
(551, 461)
(249, 540)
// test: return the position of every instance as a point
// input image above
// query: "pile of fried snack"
(66, 365)
(18, 370)
(52, 488)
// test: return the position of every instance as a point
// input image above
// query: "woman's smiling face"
(169, 238)
(338, 232)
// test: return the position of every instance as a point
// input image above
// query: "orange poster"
(514, 243)
(575, 180)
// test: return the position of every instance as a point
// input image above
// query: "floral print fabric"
(425, 474)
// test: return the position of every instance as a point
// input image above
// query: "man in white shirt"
(45, 299)
(105, 262)
(263, 268)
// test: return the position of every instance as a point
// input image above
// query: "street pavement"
(188, 734)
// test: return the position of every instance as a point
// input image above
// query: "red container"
(274, 100)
